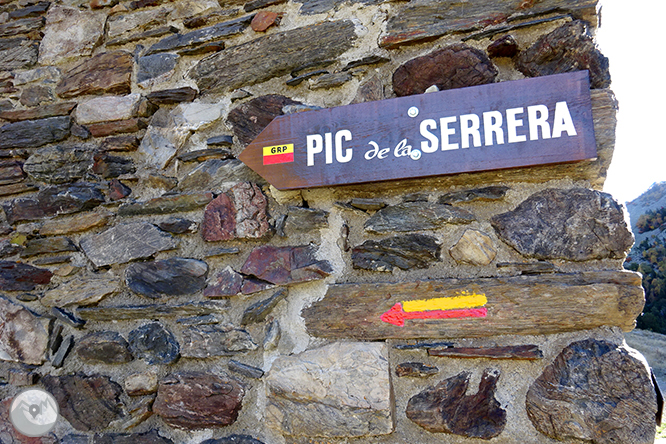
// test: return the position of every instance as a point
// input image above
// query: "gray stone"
(169, 277)
(272, 335)
(198, 400)
(597, 392)
(151, 311)
(154, 344)
(236, 67)
(286, 265)
(415, 370)
(201, 155)
(218, 176)
(201, 36)
(160, 145)
(24, 337)
(15, 276)
(140, 384)
(21, 26)
(45, 73)
(447, 408)
(416, 216)
(124, 24)
(174, 203)
(150, 437)
(34, 133)
(301, 219)
(104, 73)
(59, 164)
(70, 33)
(487, 194)
(245, 370)
(367, 204)
(18, 53)
(68, 317)
(177, 225)
(205, 341)
(34, 95)
(156, 65)
(259, 311)
(47, 245)
(103, 347)
(577, 224)
(86, 289)
(58, 358)
(405, 252)
(156, 32)
(104, 109)
(226, 283)
(110, 167)
(126, 242)
(250, 118)
(88, 403)
(337, 391)
(475, 248)
(568, 48)
(455, 66)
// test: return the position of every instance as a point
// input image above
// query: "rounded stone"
(154, 344)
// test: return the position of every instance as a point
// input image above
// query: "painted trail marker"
(521, 123)
(466, 308)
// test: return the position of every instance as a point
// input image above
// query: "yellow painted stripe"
(465, 300)
(278, 149)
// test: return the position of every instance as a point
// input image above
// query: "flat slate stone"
(59, 164)
(42, 112)
(416, 216)
(286, 265)
(108, 108)
(123, 24)
(74, 224)
(86, 289)
(197, 400)
(126, 242)
(105, 73)
(337, 391)
(34, 133)
(454, 66)
(205, 341)
(18, 53)
(405, 252)
(250, 118)
(226, 283)
(169, 277)
(70, 33)
(118, 127)
(446, 407)
(15, 276)
(151, 311)
(166, 204)
(597, 392)
(21, 26)
(259, 311)
(218, 176)
(47, 245)
(120, 143)
(109, 166)
(576, 224)
(154, 344)
(88, 403)
(245, 370)
(415, 370)
(103, 347)
(486, 194)
(156, 65)
(568, 48)
(529, 352)
(301, 219)
(11, 171)
(282, 52)
(24, 337)
(177, 225)
(172, 96)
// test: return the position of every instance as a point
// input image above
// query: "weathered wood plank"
(513, 305)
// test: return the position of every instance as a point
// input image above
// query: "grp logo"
(34, 412)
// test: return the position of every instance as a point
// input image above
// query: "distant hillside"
(647, 214)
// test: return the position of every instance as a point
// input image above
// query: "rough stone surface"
(11, 171)
(568, 48)
(150, 437)
(86, 289)
(21, 26)
(577, 224)
(166, 204)
(475, 248)
(154, 344)
(172, 96)
(15, 276)
(416, 216)
(245, 370)
(205, 341)
(105, 73)
(24, 337)
(226, 283)
(103, 347)
(250, 118)
(219, 176)
(104, 129)
(446, 407)
(124, 24)
(151, 311)
(597, 392)
(301, 219)
(264, 20)
(125, 242)
(415, 370)
(505, 46)
(198, 400)
(156, 66)
(259, 311)
(405, 252)
(340, 390)
(239, 213)
(34, 133)
(42, 112)
(177, 225)
(104, 109)
(109, 166)
(35, 95)
(18, 53)
(455, 66)
(89, 403)
(59, 244)
(486, 194)
(70, 33)
(286, 265)
(140, 384)
(75, 224)
(282, 52)
(169, 277)
(58, 164)
(120, 143)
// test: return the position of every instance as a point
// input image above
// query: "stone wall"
(165, 293)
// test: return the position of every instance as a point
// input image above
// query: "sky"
(631, 36)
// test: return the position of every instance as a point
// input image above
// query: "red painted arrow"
(396, 315)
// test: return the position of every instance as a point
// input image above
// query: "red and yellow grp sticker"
(278, 154)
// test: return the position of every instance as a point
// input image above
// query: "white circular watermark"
(415, 154)
(34, 412)
(413, 111)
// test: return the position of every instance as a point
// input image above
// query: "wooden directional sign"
(521, 123)
(460, 308)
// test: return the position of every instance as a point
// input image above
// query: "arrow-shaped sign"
(466, 305)
(521, 123)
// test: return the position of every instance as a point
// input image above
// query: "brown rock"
(198, 400)
(35, 95)
(70, 33)
(118, 127)
(15, 276)
(415, 370)
(23, 336)
(597, 392)
(446, 408)
(75, 224)
(505, 46)
(58, 109)
(264, 20)
(106, 73)
(103, 347)
(118, 190)
(226, 283)
(11, 171)
(89, 403)
(454, 66)
(568, 48)
(58, 164)
(171, 96)
(239, 213)
(507, 352)
(83, 290)
(576, 224)
(250, 118)
(286, 265)
(120, 143)
(139, 384)
(48, 245)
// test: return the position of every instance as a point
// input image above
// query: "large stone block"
(104, 109)
(416, 216)
(239, 213)
(105, 73)
(24, 337)
(34, 133)
(59, 164)
(405, 252)
(175, 276)
(70, 33)
(18, 53)
(337, 391)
